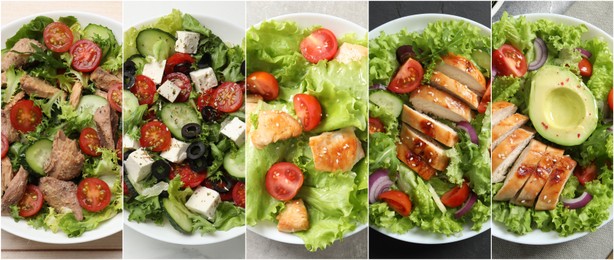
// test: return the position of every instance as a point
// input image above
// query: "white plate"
(231, 34)
(417, 23)
(339, 27)
(538, 237)
(21, 228)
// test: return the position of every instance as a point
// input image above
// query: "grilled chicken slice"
(502, 110)
(506, 153)
(464, 71)
(15, 189)
(351, 52)
(336, 151)
(522, 169)
(75, 94)
(553, 188)
(66, 160)
(104, 80)
(415, 162)
(103, 118)
(421, 145)
(429, 126)
(7, 173)
(273, 126)
(536, 182)
(455, 88)
(18, 55)
(436, 102)
(61, 195)
(38, 87)
(293, 217)
(504, 128)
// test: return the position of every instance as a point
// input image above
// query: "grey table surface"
(595, 245)
(354, 246)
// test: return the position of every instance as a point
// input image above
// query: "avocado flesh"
(562, 109)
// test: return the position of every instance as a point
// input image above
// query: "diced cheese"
(187, 42)
(204, 201)
(138, 165)
(129, 144)
(234, 129)
(351, 52)
(203, 79)
(178, 151)
(154, 70)
(169, 90)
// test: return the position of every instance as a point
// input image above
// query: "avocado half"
(562, 109)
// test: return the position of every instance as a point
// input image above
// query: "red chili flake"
(545, 125)
(567, 80)
(578, 135)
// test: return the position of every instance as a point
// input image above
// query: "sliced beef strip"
(15, 190)
(61, 194)
(66, 160)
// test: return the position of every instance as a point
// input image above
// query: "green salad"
(557, 73)
(307, 131)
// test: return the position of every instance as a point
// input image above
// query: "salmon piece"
(553, 188)
(504, 128)
(504, 155)
(429, 126)
(415, 162)
(273, 126)
(455, 88)
(336, 151)
(420, 144)
(538, 179)
(441, 104)
(293, 217)
(523, 168)
(464, 71)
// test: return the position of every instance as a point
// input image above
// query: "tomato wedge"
(144, 89)
(183, 82)
(238, 194)
(398, 201)
(283, 180)
(586, 174)
(93, 194)
(177, 59)
(228, 97)
(189, 177)
(263, 84)
(407, 77)
(86, 55)
(156, 136)
(456, 196)
(89, 142)
(586, 68)
(485, 99)
(5, 146)
(58, 37)
(205, 99)
(375, 125)
(114, 96)
(308, 110)
(610, 101)
(31, 202)
(25, 116)
(319, 45)
(509, 61)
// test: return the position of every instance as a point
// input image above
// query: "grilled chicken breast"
(293, 217)
(61, 195)
(429, 126)
(436, 102)
(502, 110)
(455, 88)
(420, 144)
(522, 169)
(538, 179)
(273, 126)
(504, 128)
(553, 188)
(464, 71)
(506, 153)
(336, 151)
(415, 162)
(351, 52)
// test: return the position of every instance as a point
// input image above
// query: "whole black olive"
(196, 150)
(129, 74)
(205, 61)
(184, 67)
(199, 165)
(210, 114)
(224, 185)
(191, 130)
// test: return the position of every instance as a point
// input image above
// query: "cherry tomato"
(183, 82)
(375, 125)
(25, 116)
(156, 136)
(86, 55)
(263, 84)
(407, 77)
(31, 202)
(89, 142)
(283, 180)
(485, 99)
(586, 69)
(308, 110)
(205, 99)
(93, 194)
(586, 174)
(228, 97)
(456, 196)
(144, 89)
(58, 37)
(189, 177)
(114, 96)
(610, 101)
(126, 190)
(319, 45)
(175, 60)
(238, 194)
(509, 61)
(5, 146)
(398, 201)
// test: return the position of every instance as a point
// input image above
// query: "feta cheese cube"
(234, 129)
(204, 201)
(187, 42)
(154, 70)
(203, 79)
(169, 90)
(129, 144)
(138, 165)
(178, 151)
(351, 52)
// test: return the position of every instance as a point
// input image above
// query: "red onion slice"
(473, 135)
(578, 202)
(405, 52)
(467, 206)
(585, 53)
(377, 86)
(541, 54)
(378, 183)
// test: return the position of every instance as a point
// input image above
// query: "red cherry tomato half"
(263, 84)
(189, 177)
(407, 77)
(205, 99)
(5, 146)
(114, 96)
(509, 61)
(456, 196)
(283, 180)
(31, 202)
(183, 82)
(58, 37)
(176, 59)
(610, 101)
(398, 201)
(319, 45)
(25, 116)
(228, 97)
(238, 194)
(156, 136)
(485, 99)
(308, 110)
(93, 194)
(586, 174)
(375, 125)
(86, 55)
(89, 142)
(586, 68)
(144, 89)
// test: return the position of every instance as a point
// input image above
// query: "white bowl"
(21, 228)
(417, 23)
(339, 27)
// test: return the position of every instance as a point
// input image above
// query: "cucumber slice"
(139, 62)
(91, 103)
(131, 103)
(98, 33)
(176, 115)
(177, 216)
(38, 154)
(146, 39)
(387, 101)
(482, 59)
(234, 163)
